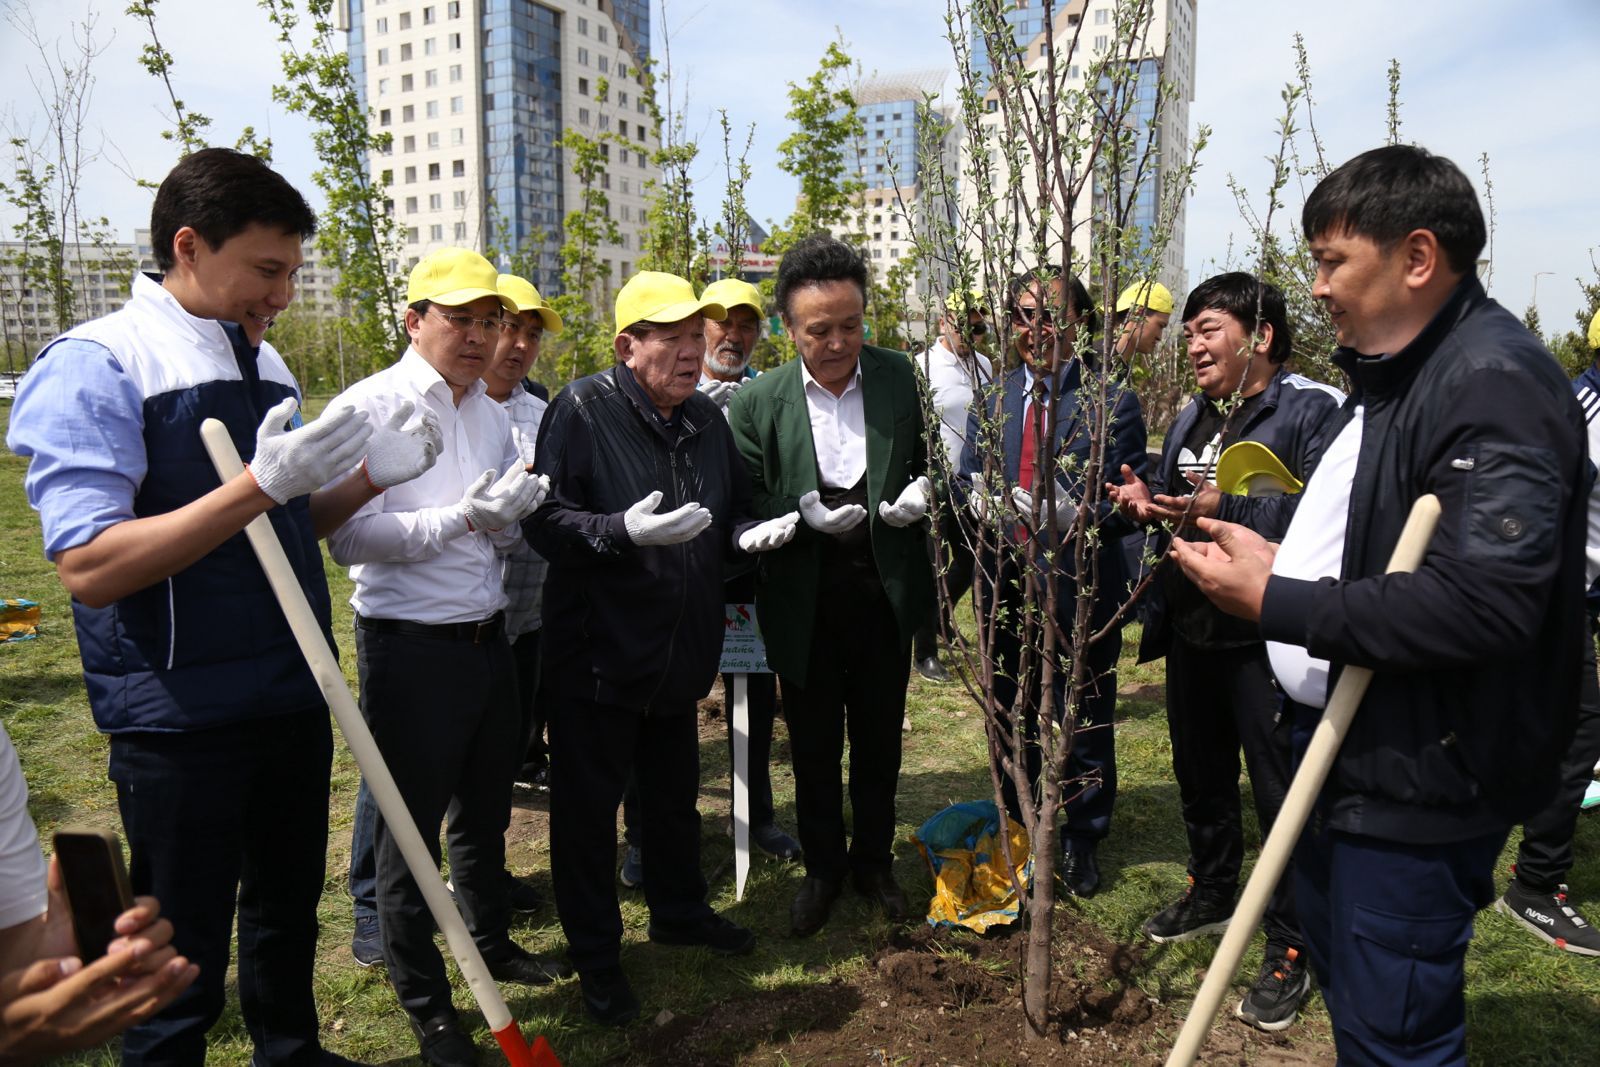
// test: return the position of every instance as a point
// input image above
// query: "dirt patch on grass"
(940, 997)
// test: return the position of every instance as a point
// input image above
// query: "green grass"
(1526, 1003)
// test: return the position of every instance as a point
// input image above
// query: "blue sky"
(1512, 80)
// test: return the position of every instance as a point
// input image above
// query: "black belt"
(477, 632)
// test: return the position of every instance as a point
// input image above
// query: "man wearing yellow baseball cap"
(648, 496)
(438, 683)
(731, 342)
(1142, 312)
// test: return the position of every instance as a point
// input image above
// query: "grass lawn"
(1526, 1003)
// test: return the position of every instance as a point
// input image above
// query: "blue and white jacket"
(1586, 387)
(110, 414)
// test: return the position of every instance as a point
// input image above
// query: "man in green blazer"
(837, 435)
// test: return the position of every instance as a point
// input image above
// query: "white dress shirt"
(951, 383)
(409, 550)
(1312, 549)
(838, 430)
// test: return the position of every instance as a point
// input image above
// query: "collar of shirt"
(814, 386)
(1051, 384)
(417, 373)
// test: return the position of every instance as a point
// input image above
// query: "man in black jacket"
(1463, 728)
(646, 495)
(1220, 691)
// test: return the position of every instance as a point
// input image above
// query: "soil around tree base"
(940, 997)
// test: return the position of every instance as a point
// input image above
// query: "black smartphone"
(97, 886)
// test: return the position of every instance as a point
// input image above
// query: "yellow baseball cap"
(1250, 468)
(1146, 294)
(732, 293)
(653, 296)
(454, 276)
(1594, 331)
(524, 297)
(959, 303)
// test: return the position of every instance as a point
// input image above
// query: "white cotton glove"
(1023, 501)
(774, 533)
(910, 506)
(645, 527)
(494, 505)
(719, 392)
(395, 455)
(835, 521)
(524, 444)
(982, 502)
(291, 463)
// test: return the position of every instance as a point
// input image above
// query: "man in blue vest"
(220, 742)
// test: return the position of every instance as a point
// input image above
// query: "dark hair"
(1235, 294)
(420, 307)
(219, 193)
(1386, 193)
(1077, 296)
(818, 258)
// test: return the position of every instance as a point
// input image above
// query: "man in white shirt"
(954, 370)
(438, 683)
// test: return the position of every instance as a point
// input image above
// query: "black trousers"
(1217, 701)
(237, 813)
(525, 650)
(959, 566)
(856, 686)
(444, 714)
(1545, 856)
(594, 749)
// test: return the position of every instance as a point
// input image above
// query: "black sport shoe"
(1550, 916)
(367, 944)
(632, 873)
(1198, 913)
(1273, 1003)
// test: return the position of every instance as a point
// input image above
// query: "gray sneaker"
(1273, 1003)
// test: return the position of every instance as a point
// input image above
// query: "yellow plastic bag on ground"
(19, 619)
(971, 886)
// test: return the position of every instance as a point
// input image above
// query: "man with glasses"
(954, 370)
(438, 680)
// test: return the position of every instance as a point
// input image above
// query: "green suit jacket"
(772, 427)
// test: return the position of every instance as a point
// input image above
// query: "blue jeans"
(363, 859)
(236, 812)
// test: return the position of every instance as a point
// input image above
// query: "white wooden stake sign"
(743, 654)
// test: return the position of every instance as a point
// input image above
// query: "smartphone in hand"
(97, 886)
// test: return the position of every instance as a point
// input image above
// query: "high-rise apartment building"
(477, 94)
(1026, 19)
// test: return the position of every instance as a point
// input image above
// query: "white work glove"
(910, 506)
(504, 502)
(524, 444)
(982, 502)
(1023, 500)
(774, 533)
(291, 463)
(645, 527)
(719, 392)
(835, 521)
(395, 455)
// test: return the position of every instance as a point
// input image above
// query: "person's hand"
(524, 444)
(910, 506)
(396, 455)
(509, 500)
(830, 521)
(1205, 496)
(982, 502)
(1232, 569)
(645, 527)
(56, 1004)
(291, 463)
(1132, 498)
(774, 533)
(719, 392)
(1022, 500)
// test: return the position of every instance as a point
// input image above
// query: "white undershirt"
(838, 430)
(950, 382)
(22, 885)
(1314, 549)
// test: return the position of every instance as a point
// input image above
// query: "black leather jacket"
(636, 626)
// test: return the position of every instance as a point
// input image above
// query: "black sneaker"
(721, 936)
(1550, 916)
(1198, 913)
(632, 874)
(522, 897)
(1273, 1003)
(367, 944)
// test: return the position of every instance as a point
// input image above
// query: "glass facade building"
(887, 155)
(1027, 22)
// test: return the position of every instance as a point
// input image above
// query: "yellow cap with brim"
(453, 277)
(959, 303)
(1594, 332)
(653, 296)
(1243, 463)
(732, 293)
(1146, 294)
(524, 297)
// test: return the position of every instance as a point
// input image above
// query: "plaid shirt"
(523, 569)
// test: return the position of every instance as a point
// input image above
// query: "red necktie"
(1032, 419)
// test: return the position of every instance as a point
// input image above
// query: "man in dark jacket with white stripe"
(1469, 712)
